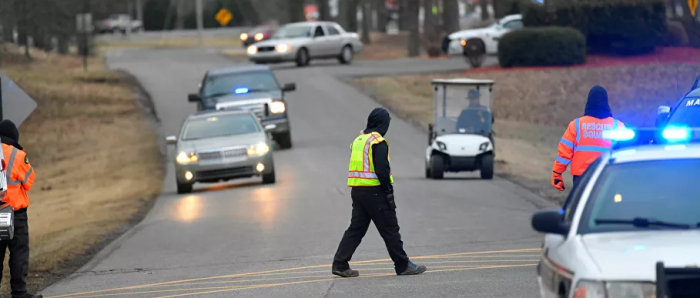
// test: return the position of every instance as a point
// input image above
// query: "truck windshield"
(238, 83)
(643, 195)
(687, 113)
(220, 126)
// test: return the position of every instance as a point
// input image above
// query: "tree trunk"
(180, 9)
(484, 10)
(382, 16)
(366, 21)
(428, 18)
(62, 44)
(412, 11)
(403, 15)
(296, 11)
(351, 15)
(324, 11)
(450, 15)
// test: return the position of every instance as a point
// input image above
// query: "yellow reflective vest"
(361, 170)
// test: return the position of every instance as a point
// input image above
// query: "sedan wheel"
(346, 55)
(302, 57)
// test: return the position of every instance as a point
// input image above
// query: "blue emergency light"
(623, 134)
(677, 134)
(241, 90)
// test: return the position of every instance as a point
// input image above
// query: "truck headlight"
(277, 107)
(283, 48)
(258, 149)
(252, 50)
(442, 146)
(185, 158)
(599, 289)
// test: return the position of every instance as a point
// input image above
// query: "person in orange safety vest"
(583, 139)
(20, 178)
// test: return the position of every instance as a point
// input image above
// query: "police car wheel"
(183, 188)
(487, 166)
(437, 166)
(269, 178)
(346, 55)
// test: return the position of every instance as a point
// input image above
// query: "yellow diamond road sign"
(693, 4)
(224, 16)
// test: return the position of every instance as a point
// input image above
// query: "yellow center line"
(284, 270)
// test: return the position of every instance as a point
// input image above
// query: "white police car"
(630, 228)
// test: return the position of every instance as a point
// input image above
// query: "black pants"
(370, 204)
(19, 254)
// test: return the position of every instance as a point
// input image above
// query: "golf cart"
(461, 137)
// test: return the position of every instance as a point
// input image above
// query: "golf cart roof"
(461, 81)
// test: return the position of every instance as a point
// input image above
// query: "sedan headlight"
(259, 36)
(598, 289)
(252, 50)
(442, 146)
(244, 36)
(277, 107)
(258, 149)
(283, 48)
(185, 158)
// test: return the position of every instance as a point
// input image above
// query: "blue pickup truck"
(686, 112)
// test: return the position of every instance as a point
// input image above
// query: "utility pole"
(200, 21)
(139, 10)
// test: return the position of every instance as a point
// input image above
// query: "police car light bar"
(623, 134)
(677, 134)
(241, 90)
(634, 137)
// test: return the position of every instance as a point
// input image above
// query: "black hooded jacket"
(9, 134)
(597, 105)
(378, 121)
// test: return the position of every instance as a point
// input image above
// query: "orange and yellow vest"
(361, 170)
(583, 142)
(20, 177)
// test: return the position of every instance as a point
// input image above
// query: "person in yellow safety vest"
(372, 193)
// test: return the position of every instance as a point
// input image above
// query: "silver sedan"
(301, 42)
(218, 146)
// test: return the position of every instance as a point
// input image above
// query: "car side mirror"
(289, 87)
(193, 98)
(550, 222)
(171, 140)
(662, 115)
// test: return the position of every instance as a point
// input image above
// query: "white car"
(484, 38)
(627, 227)
(302, 42)
(119, 23)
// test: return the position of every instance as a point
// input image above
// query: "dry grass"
(95, 154)
(532, 107)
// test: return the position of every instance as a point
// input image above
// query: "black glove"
(390, 199)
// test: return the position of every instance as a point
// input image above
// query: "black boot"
(413, 269)
(346, 273)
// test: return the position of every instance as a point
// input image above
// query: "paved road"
(249, 240)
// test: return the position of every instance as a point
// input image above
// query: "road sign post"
(224, 16)
(83, 22)
(693, 5)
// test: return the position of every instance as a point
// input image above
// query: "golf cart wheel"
(269, 178)
(302, 57)
(487, 166)
(183, 188)
(346, 55)
(284, 140)
(437, 166)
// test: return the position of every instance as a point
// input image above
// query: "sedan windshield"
(220, 126)
(643, 196)
(687, 113)
(240, 83)
(293, 31)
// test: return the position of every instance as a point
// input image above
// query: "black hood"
(597, 105)
(378, 121)
(9, 134)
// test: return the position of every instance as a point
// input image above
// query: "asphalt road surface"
(248, 240)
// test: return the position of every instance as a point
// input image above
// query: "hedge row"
(544, 46)
(610, 26)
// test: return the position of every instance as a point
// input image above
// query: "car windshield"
(474, 120)
(220, 126)
(687, 113)
(293, 31)
(644, 195)
(240, 83)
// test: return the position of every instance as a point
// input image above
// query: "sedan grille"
(225, 173)
(225, 153)
(266, 49)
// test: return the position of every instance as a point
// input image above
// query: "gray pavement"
(249, 240)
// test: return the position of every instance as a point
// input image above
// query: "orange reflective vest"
(583, 142)
(20, 177)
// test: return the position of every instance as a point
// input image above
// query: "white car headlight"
(184, 158)
(252, 50)
(283, 48)
(258, 149)
(599, 289)
(277, 107)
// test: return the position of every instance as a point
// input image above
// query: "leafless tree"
(324, 11)
(412, 11)
(296, 10)
(382, 15)
(366, 20)
(484, 10)
(450, 15)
